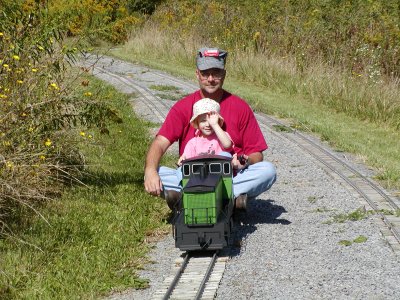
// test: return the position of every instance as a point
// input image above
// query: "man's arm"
(255, 158)
(152, 181)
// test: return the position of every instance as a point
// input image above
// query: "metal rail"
(178, 275)
(196, 278)
(206, 276)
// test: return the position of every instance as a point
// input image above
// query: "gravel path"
(288, 246)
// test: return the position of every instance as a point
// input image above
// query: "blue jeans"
(254, 180)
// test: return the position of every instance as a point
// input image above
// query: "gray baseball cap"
(208, 58)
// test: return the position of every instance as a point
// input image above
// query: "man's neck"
(217, 96)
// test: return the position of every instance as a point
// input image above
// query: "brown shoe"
(241, 202)
(172, 197)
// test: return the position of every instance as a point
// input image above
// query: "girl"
(209, 138)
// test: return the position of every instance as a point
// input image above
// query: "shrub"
(146, 6)
(97, 20)
(39, 107)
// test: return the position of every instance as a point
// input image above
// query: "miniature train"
(203, 219)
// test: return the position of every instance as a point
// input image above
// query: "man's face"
(211, 80)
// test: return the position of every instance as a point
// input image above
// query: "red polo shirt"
(239, 118)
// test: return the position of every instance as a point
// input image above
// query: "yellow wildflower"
(34, 70)
(7, 143)
(42, 157)
(88, 94)
(20, 81)
(23, 114)
(90, 136)
(10, 165)
(40, 48)
(5, 66)
(16, 57)
(2, 96)
(30, 129)
(82, 133)
(54, 86)
(47, 143)
(1, 34)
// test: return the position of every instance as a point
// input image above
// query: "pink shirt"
(201, 145)
(239, 118)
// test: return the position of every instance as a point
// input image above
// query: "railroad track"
(370, 194)
(197, 276)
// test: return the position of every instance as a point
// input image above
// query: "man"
(253, 175)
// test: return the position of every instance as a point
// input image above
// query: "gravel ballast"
(288, 244)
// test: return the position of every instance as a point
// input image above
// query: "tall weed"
(344, 55)
(358, 36)
(39, 108)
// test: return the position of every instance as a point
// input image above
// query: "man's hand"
(236, 164)
(152, 183)
(248, 160)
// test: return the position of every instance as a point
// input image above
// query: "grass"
(92, 240)
(168, 92)
(282, 128)
(357, 215)
(164, 88)
(358, 240)
(277, 92)
(169, 96)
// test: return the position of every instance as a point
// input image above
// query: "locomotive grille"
(203, 207)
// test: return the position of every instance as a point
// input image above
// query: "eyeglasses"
(216, 74)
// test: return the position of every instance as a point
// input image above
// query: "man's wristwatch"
(243, 161)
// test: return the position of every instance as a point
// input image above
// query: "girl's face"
(204, 125)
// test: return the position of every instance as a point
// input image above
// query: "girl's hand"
(213, 118)
(179, 163)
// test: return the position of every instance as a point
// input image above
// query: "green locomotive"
(203, 220)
